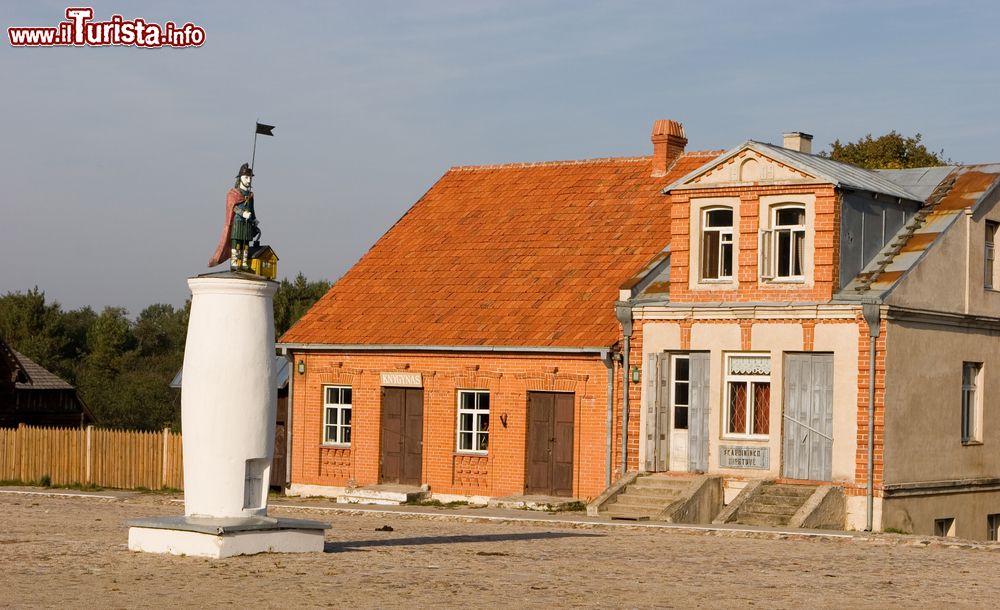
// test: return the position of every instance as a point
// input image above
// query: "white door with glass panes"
(680, 402)
(677, 420)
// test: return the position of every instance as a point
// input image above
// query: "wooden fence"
(122, 459)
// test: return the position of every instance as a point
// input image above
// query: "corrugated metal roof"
(920, 181)
(839, 174)
(961, 188)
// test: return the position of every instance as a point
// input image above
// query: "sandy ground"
(58, 551)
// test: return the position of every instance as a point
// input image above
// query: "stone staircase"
(648, 497)
(773, 504)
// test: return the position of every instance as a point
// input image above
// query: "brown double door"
(402, 435)
(550, 444)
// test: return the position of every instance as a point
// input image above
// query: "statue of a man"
(240, 226)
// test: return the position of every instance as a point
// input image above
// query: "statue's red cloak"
(222, 251)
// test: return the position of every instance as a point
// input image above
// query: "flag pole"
(253, 155)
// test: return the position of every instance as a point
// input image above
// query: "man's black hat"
(245, 171)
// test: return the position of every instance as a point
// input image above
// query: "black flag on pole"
(265, 130)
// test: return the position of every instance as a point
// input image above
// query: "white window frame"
(749, 380)
(477, 432)
(674, 382)
(340, 430)
(724, 233)
(972, 403)
(769, 244)
(990, 269)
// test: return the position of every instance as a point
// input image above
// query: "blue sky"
(114, 162)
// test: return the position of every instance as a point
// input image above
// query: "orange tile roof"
(527, 254)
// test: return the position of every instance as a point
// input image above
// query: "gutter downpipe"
(608, 358)
(288, 415)
(872, 313)
(623, 311)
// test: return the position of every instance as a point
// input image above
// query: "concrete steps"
(647, 498)
(774, 504)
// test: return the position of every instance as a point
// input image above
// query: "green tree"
(108, 340)
(293, 299)
(160, 330)
(890, 151)
(31, 325)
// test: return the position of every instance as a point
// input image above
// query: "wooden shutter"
(651, 411)
(663, 415)
(698, 413)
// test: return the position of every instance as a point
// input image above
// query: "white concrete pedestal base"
(217, 538)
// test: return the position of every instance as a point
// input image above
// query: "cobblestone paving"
(58, 551)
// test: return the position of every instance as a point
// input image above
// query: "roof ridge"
(463, 168)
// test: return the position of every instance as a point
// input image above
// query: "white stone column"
(228, 397)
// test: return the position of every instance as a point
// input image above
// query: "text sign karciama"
(402, 380)
(744, 456)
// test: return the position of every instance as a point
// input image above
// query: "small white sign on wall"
(402, 380)
(744, 456)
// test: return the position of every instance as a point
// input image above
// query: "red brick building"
(718, 306)
(474, 347)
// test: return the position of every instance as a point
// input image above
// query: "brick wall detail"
(826, 255)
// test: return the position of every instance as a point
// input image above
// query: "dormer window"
(717, 244)
(783, 245)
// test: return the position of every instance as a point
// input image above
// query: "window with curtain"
(748, 406)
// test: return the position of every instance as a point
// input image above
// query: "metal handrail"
(808, 427)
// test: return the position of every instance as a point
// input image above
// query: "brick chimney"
(797, 140)
(668, 144)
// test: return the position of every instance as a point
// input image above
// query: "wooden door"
(402, 435)
(657, 414)
(549, 464)
(808, 415)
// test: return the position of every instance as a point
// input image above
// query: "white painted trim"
(474, 412)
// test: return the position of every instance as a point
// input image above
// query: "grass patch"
(572, 507)
(46, 482)
(80, 487)
(895, 530)
(164, 491)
